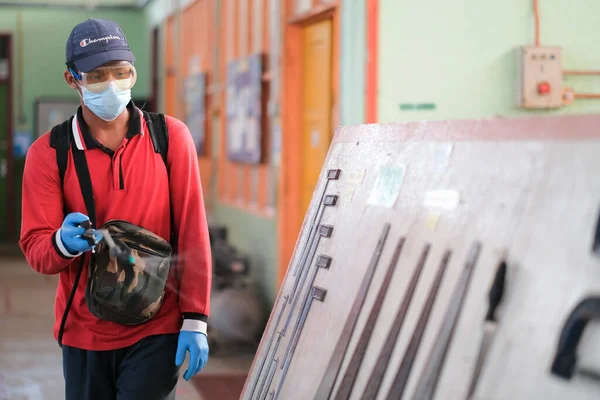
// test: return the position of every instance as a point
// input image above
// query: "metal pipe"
(401, 378)
(536, 12)
(316, 293)
(322, 262)
(580, 72)
(347, 384)
(378, 372)
(429, 378)
(587, 95)
(335, 362)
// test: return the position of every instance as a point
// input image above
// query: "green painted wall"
(257, 237)
(461, 55)
(353, 54)
(45, 32)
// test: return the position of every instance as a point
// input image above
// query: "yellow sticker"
(433, 220)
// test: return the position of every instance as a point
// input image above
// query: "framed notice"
(53, 111)
(244, 110)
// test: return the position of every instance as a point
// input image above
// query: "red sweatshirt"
(131, 184)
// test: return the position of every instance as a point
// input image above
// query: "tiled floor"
(30, 362)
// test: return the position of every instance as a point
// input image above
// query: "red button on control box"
(544, 88)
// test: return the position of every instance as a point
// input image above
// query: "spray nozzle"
(121, 253)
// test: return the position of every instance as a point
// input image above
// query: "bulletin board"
(195, 113)
(244, 110)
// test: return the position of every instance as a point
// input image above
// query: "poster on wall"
(21, 142)
(195, 115)
(244, 110)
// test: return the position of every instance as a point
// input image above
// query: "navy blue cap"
(96, 42)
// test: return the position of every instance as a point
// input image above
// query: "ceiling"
(77, 3)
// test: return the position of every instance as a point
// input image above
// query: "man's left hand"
(197, 344)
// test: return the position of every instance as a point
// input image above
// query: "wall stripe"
(243, 23)
(247, 181)
(263, 39)
(372, 58)
(258, 7)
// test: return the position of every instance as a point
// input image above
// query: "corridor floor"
(30, 362)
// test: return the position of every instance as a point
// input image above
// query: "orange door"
(316, 114)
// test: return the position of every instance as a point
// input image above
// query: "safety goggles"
(123, 75)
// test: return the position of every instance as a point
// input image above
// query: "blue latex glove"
(71, 231)
(197, 344)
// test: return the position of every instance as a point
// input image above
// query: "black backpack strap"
(157, 128)
(60, 138)
(159, 133)
(85, 182)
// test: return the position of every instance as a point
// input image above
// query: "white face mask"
(109, 104)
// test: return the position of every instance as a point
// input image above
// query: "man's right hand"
(71, 234)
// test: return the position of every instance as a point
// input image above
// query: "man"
(103, 359)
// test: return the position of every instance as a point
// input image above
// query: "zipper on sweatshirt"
(121, 182)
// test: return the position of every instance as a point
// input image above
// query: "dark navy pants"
(143, 371)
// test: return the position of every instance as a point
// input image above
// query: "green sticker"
(387, 186)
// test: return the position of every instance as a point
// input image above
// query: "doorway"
(316, 106)
(6, 162)
(309, 113)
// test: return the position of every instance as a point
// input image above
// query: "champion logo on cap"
(86, 42)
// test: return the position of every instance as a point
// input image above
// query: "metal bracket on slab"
(564, 364)
(324, 231)
(303, 277)
(324, 201)
(330, 200)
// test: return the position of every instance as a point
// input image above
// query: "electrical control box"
(540, 77)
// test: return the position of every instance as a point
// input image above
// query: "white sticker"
(387, 186)
(355, 177)
(441, 200)
(442, 156)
